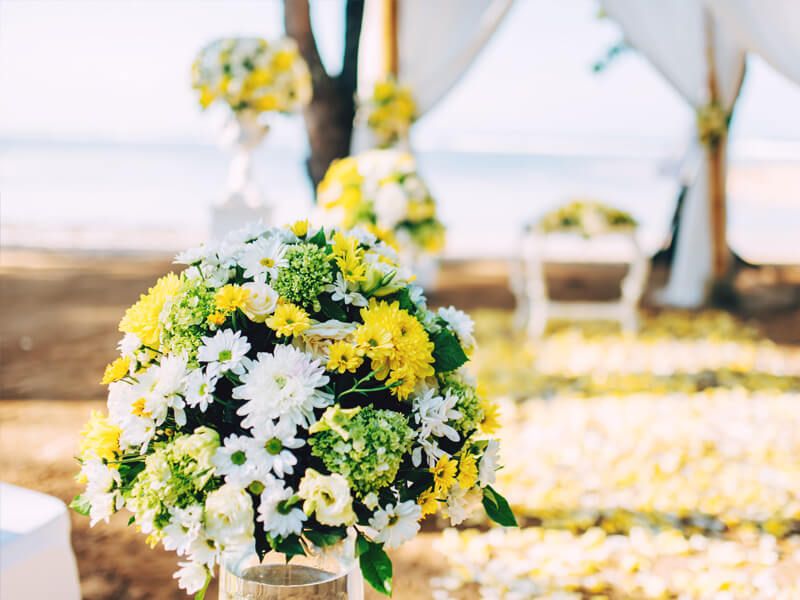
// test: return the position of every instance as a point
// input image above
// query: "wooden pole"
(715, 157)
(390, 48)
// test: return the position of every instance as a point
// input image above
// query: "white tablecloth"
(36, 559)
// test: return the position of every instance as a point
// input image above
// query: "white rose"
(261, 301)
(229, 516)
(328, 496)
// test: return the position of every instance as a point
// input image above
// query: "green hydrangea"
(186, 320)
(469, 404)
(307, 273)
(366, 447)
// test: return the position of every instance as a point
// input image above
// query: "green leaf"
(497, 508)
(404, 300)
(80, 505)
(290, 546)
(131, 521)
(319, 238)
(376, 566)
(331, 309)
(325, 538)
(447, 352)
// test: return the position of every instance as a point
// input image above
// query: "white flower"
(278, 518)
(192, 256)
(488, 464)
(461, 323)
(261, 301)
(363, 235)
(247, 233)
(170, 376)
(229, 516)
(191, 577)
(129, 345)
(327, 497)
(282, 385)
(370, 501)
(396, 524)
(432, 412)
(462, 503)
(233, 460)
(272, 448)
(200, 386)
(224, 352)
(101, 490)
(263, 258)
(183, 527)
(126, 410)
(391, 205)
(431, 449)
(342, 291)
(203, 549)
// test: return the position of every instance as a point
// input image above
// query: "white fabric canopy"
(674, 37)
(770, 28)
(437, 40)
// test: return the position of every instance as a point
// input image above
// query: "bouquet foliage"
(252, 74)
(588, 218)
(289, 391)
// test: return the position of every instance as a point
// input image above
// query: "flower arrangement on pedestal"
(587, 218)
(252, 77)
(389, 112)
(381, 190)
(289, 391)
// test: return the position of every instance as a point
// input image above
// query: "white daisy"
(462, 503)
(432, 413)
(183, 527)
(461, 323)
(129, 345)
(203, 549)
(200, 386)
(272, 447)
(283, 385)
(263, 258)
(396, 524)
(280, 519)
(170, 376)
(101, 490)
(126, 410)
(342, 291)
(224, 352)
(191, 576)
(248, 233)
(192, 256)
(488, 464)
(234, 461)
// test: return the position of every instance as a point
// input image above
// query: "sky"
(118, 70)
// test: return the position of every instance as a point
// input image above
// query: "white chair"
(36, 558)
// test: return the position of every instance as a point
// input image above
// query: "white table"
(36, 558)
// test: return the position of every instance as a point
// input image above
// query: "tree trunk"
(329, 116)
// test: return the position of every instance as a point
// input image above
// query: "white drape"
(770, 28)
(437, 40)
(673, 36)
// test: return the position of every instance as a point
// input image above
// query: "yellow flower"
(141, 319)
(282, 60)
(99, 438)
(138, 409)
(289, 319)
(491, 416)
(116, 370)
(231, 297)
(342, 357)
(266, 102)
(428, 502)
(216, 318)
(352, 267)
(300, 228)
(444, 475)
(467, 470)
(206, 96)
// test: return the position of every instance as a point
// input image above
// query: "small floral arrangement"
(389, 111)
(252, 74)
(381, 190)
(289, 391)
(712, 124)
(588, 218)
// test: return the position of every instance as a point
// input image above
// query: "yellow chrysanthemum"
(289, 319)
(444, 475)
(428, 502)
(116, 370)
(342, 357)
(349, 258)
(216, 318)
(491, 416)
(141, 319)
(99, 438)
(300, 228)
(467, 470)
(231, 297)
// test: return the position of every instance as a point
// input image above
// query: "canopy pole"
(390, 48)
(715, 156)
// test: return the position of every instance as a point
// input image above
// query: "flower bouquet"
(381, 190)
(587, 218)
(289, 392)
(389, 112)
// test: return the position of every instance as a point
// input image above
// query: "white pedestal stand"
(536, 249)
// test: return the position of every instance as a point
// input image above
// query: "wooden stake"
(390, 47)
